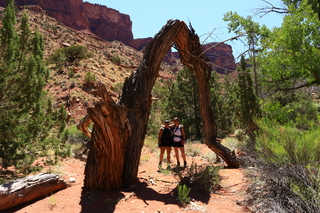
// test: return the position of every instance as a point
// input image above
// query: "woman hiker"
(178, 141)
(165, 142)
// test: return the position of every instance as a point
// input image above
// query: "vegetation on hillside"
(30, 125)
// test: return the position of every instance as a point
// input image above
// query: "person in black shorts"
(178, 140)
(165, 142)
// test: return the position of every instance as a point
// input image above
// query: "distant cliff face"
(221, 56)
(109, 24)
(105, 22)
(69, 12)
(140, 43)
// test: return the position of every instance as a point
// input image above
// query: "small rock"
(72, 180)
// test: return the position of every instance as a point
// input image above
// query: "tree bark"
(119, 129)
(29, 188)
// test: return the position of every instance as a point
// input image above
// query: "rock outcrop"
(140, 43)
(69, 12)
(221, 56)
(105, 22)
(110, 24)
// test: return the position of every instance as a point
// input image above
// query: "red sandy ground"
(154, 192)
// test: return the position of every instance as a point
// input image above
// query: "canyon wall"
(110, 24)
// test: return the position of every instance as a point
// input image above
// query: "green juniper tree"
(248, 103)
(224, 102)
(29, 122)
(183, 102)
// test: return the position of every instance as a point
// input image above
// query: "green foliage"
(68, 54)
(30, 124)
(183, 102)
(116, 59)
(89, 78)
(292, 52)
(295, 107)
(248, 103)
(158, 112)
(183, 194)
(118, 87)
(288, 145)
(202, 178)
(224, 101)
(193, 151)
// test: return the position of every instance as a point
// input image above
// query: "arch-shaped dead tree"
(119, 128)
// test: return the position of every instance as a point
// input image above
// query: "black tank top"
(166, 134)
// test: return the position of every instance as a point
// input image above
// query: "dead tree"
(120, 128)
(29, 188)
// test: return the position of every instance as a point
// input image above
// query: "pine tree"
(184, 102)
(29, 123)
(248, 103)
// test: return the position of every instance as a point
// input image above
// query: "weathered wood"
(119, 129)
(105, 162)
(29, 188)
(190, 51)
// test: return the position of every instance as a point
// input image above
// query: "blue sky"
(148, 17)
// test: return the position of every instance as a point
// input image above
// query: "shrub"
(183, 194)
(202, 178)
(89, 78)
(193, 151)
(116, 59)
(283, 144)
(68, 54)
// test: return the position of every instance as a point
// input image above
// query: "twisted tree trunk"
(119, 129)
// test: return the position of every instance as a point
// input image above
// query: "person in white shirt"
(178, 140)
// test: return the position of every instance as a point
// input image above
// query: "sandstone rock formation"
(221, 56)
(110, 24)
(69, 12)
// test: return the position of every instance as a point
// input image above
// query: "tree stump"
(29, 188)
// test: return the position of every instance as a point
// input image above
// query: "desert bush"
(68, 54)
(183, 194)
(89, 78)
(283, 144)
(287, 188)
(193, 151)
(289, 180)
(202, 178)
(116, 59)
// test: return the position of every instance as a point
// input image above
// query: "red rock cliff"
(109, 24)
(69, 12)
(105, 22)
(221, 56)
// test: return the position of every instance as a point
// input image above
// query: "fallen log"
(29, 188)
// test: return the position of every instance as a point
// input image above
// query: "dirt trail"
(154, 192)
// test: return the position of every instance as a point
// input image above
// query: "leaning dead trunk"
(190, 51)
(119, 129)
(29, 188)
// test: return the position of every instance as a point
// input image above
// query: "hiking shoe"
(185, 164)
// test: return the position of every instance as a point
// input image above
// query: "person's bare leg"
(183, 156)
(176, 151)
(162, 149)
(168, 154)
